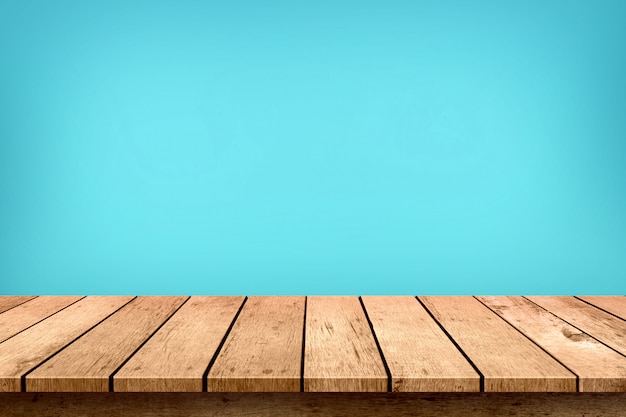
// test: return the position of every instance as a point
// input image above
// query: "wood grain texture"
(613, 304)
(420, 357)
(263, 351)
(7, 302)
(154, 344)
(312, 404)
(606, 328)
(340, 350)
(507, 359)
(87, 363)
(176, 357)
(29, 348)
(599, 368)
(25, 315)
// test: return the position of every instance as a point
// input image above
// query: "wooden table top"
(312, 344)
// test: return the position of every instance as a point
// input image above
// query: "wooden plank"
(606, 328)
(507, 359)
(613, 304)
(29, 348)
(340, 350)
(7, 302)
(176, 357)
(27, 314)
(87, 364)
(599, 368)
(420, 357)
(203, 404)
(263, 351)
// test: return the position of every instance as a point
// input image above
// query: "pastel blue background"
(318, 147)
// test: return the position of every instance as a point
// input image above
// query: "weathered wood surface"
(176, 357)
(10, 301)
(30, 348)
(420, 357)
(340, 352)
(603, 326)
(29, 313)
(598, 367)
(312, 344)
(507, 359)
(263, 351)
(87, 364)
(615, 305)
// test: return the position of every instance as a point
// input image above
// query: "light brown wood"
(87, 363)
(420, 357)
(29, 348)
(606, 328)
(377, 404)
(507, 359)
(25, 315)
(7, 302)
(175, 358)
(167, 343)
(599, 368)
(340, 350)
(263, 351)
(613, 304)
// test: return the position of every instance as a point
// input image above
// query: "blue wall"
(318, 147)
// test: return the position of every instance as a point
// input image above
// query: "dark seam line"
(303, 341)
(74, 340)
(380, 350)
(48, 316)
(23, 302)
(599, 308)
(533, 342)
(578, 328)
(111, 387)
(205, 382)
(467, 358)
